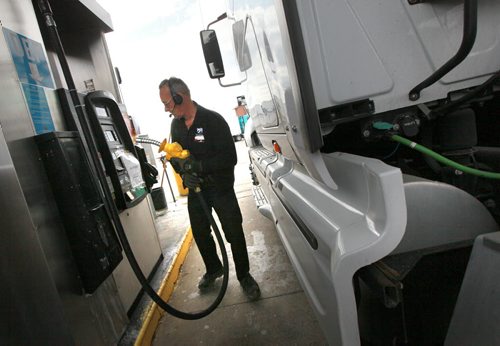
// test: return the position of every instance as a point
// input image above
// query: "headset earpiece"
(175, 97)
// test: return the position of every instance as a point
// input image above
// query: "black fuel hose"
(86, 137)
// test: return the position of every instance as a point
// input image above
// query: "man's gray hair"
(177, 84)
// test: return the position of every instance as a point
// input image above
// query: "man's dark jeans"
(226, 206)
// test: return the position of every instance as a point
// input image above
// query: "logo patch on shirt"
(199, 135)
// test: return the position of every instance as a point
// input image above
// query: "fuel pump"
(89, 229)
(103, 188)
(116, 148)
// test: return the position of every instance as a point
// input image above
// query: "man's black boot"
(250, 287)
(208, 279)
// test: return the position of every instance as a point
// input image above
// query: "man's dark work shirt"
(209, 140)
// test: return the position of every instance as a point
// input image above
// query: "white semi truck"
(375, 150)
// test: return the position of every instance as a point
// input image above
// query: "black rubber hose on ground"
(107, 198)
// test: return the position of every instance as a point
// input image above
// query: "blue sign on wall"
(34, 74)
(39, 108)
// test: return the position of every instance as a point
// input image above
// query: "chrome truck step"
(258, 195)
(261, 202)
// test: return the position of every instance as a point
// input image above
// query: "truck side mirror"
(211, 51)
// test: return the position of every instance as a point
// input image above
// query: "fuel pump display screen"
(101, 112)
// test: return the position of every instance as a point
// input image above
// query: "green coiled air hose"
(444, 160)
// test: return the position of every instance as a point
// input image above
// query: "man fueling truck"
(373, 138)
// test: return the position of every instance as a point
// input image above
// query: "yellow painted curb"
(155, 313)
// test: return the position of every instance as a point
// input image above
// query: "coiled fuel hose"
(165, 306)
(381, 125)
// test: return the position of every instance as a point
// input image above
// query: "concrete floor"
(282, 316)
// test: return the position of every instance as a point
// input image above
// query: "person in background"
(210, 166)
